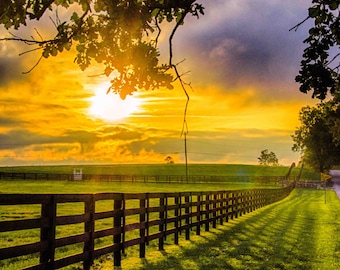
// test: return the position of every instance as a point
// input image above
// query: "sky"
(240, 60)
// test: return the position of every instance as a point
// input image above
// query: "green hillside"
(169, 169)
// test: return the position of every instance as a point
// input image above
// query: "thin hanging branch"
(185, 129)
(37, 63)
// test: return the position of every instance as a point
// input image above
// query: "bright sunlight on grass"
(300, 232)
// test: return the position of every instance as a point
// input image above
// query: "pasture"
(154, 259)
(300, 232)
(171, 169)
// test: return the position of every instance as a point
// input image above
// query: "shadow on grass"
(284, 235)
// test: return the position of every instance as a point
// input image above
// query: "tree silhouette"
(268, 158)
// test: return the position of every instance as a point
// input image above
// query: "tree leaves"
(318, 137)
(319, 71)
(268, 158)
(119, 34)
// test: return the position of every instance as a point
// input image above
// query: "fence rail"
(147, 178)
(151, 216)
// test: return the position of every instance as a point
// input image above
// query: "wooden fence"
(150, 216)
(147, 178)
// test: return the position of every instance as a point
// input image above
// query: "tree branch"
(37, 63)
(295, 28)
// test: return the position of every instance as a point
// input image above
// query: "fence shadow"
(270, 238)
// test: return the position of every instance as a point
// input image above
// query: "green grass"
(300, 232)
(71, 187)
(19, 212)
(170, 169)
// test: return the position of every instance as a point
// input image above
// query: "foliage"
(120, 35)
(317, 139)
(319, 71)
(268, 158)
(169, 160)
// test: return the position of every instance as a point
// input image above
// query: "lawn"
(300, 232)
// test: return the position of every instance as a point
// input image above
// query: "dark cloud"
(10, 70)
(121, 133)
(9, 121)
(247, 42)
(22, 138)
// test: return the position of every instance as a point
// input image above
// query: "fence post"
(221, 206)
(234, 207)
(117, 223)
(49, 211)
(207, 214)
(89, 229)
(214, 209)
(161, 221)
(142, 226)
(177, 217)
(198, 227)
(187, 217)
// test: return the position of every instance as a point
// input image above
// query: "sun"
(110, 107)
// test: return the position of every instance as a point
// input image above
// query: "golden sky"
(242, 61)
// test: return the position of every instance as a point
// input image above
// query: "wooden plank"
(107, 232)
(74, 239)
(133, 226)
(11, 252)
(132, 242)
(72, 219)
(105, 250)
(106, 214)
(134, 211)
(63, 262)
(18, 199)
(24, 224)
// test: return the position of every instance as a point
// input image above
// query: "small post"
(48, 234)
(187, 218)
(89, 228)
(142, 226)
(161, 224)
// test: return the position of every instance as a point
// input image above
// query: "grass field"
(300, 232)
(287, 235)
(171, 169)
(19, 212)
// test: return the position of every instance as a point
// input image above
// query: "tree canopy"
(268, 158)
(317, 139)
(122, 35)
(319, 70)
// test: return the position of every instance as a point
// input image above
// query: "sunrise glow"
(243, 95)
(110, 107)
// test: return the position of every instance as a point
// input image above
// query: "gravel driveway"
(336, 181)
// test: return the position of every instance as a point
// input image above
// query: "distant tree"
(268, 158)
(319, 69)
(317, 139)
(122, 35)
(169, 160)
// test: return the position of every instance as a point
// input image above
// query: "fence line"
(136, 219)
(147, 178)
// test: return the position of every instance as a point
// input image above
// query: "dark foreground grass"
(300, 232)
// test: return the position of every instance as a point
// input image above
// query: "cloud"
(246, 43)
(10, 70)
